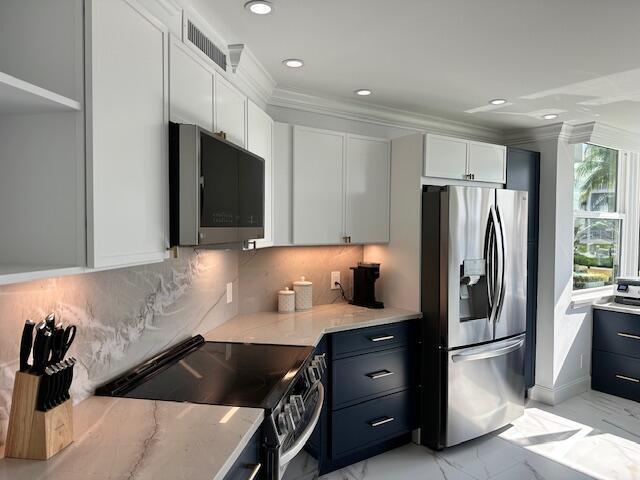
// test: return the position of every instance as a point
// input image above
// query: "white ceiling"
(578, 58)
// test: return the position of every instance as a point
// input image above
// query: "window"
(598, 222)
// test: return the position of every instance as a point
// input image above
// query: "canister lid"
(286, 291)
(302, 281)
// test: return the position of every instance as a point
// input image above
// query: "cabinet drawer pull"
(382, 339)
(628, 379)
(254, 471)
(381, 421)
(629, 335)
(379, 374)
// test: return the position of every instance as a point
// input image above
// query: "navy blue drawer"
(616, 332)
(372, 422)
(248, 462)
(616, 374)
(371, 339)
(363, 377)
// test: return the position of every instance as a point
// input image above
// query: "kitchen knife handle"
(25, 345)
(41, 350)
(50, 321)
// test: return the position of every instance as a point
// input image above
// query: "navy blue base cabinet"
(248, 462)
(615, 362)
(371, 385)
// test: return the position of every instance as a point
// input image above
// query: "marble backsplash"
(123, 316)
(262, 273)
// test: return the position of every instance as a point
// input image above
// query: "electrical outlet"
(335, 277)
(229, 292)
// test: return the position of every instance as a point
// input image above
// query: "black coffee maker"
(364, 285)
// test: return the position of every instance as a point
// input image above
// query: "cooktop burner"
(218, 373)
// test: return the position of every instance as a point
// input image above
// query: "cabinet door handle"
(379, 374)
(629, 335)
(382, 338)
(628, 379)
(254, 471)
(381, 421)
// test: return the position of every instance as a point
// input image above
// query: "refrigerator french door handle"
(488, 251)
(502, 265)
(467, 357)
(494, 266)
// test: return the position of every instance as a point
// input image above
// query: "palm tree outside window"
(597, 221)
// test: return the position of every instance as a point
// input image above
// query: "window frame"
(622, 190)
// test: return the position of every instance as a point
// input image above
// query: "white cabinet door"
(230, 111)
(126, 134)
(190, 88)
(282, 183)
(318, 157)
(445, 157)
(487, 162)
(260, 142)
(367, 189)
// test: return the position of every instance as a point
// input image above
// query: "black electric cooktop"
(216, 373)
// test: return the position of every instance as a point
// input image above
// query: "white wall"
(563, 333)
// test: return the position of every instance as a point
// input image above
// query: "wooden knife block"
(33, 434)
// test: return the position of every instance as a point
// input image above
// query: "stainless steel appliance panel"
(464, 239)
(486, 388)
(511, 209)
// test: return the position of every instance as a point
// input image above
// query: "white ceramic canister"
(304, 294)
(286, 301)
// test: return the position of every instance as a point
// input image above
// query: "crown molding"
(379, 115)
(589, 132)
(253, 74)
(613, 137)
(522, 136)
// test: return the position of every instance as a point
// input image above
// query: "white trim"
(380, 115)
(589, 296)
(556, 395)
(555, 131)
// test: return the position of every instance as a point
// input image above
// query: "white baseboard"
(556, 395)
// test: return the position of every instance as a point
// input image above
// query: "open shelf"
(26, 273)
(20, 97)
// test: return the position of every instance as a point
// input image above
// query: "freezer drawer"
(485, 388)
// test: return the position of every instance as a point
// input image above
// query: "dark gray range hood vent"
(202, 42)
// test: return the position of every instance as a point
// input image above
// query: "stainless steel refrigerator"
(474, 299)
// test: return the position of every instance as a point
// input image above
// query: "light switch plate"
(335, 277)
(229, 292)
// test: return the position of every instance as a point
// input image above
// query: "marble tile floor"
(593, 435)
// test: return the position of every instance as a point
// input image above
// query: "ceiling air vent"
(202, 42)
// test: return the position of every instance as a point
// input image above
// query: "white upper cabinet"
(459, 159)
(230, 111)
(318, 205)
(488, 162)
(126, 134)
(260, 142)
(445, 157)
(367, 189)
(191, 87)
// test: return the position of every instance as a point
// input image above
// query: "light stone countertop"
(122, 438)
(304, 328)
(617, 307)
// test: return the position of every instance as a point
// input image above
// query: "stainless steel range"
(283, 380)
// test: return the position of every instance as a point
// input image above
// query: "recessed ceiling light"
(550, 116)
(259, 7)
(293, 62)
(363, 92)
(498, 101)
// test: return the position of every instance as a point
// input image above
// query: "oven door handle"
(306, 433)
